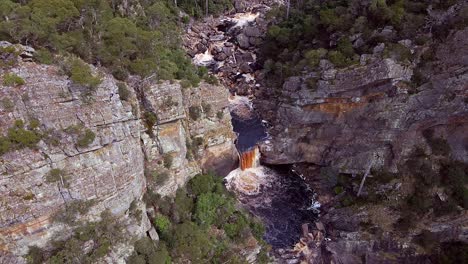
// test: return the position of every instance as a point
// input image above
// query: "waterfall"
(249, 159)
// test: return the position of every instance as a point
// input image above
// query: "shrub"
(57, 175)
(183, 205)
(194, 112)
(398, 52)
(124, 93)
(345, 47)
(206, 108)
(238, 228)
(85, 139)
(160, 178)
(440, 146)
(206, 208)
(191, 242)
(220, 114)
(338, 189)
(44, 56)
(202, 183)
(162, 223)
(427, 240)
(312, 84)
(80, 73)
(185, 83)
(35, 255)
(338, 59)
(8, 105)
(313, 57)
(211, 79)
(11, 79)
(150, 119)
(168, 160)
(18, 138)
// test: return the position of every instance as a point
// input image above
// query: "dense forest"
(202, 222)
(142, 38)
(341, 31)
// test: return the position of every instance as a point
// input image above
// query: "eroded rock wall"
(193, 130)
(108, 172)
(368, 113)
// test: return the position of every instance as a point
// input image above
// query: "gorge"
(265, 132)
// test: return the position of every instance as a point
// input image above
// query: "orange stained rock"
(339, 106)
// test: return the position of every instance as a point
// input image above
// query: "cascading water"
(276, 195)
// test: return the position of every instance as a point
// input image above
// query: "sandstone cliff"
(94, 149)
(368, 113)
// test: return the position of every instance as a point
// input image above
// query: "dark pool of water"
(283, 205)
(249, 131)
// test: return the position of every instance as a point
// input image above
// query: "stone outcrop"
(231, 41)
(108, 172)
(368, 113)
(191, 133)
(193, 130)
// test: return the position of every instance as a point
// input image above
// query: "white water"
(203, 59)
(243, 19)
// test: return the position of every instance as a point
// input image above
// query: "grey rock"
(379, 48)
(252, 31)
(243, 41)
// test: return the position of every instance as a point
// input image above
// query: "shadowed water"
(284, 204)
(283, 200)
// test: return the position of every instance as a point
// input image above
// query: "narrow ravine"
(276, 195)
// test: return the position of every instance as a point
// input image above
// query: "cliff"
(368, 113)
(67, 146)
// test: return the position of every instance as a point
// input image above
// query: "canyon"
(278, 146)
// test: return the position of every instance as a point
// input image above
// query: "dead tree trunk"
(364, 179)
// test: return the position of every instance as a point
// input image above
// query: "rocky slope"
(367, 116)
(95, 149)
(368, 113)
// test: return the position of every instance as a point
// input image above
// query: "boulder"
(243, 41)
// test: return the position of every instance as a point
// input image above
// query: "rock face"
(193, 131)
(232, 40)
(368, 113)
(108, 172)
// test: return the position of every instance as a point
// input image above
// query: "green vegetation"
(199, 8)
(104, 234)
(19, 137)
(44, 56)
(57, 175)
(8, 55)
(85, 139)
(124, 93)
(450, 252)
(104, 33)
(318, 29)
(201, 224)
(8, 105)
(195, 112)
(80, 73)
(147, 251)
(150, 120)
(158, 177)
(11, 79)
(168, 160)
